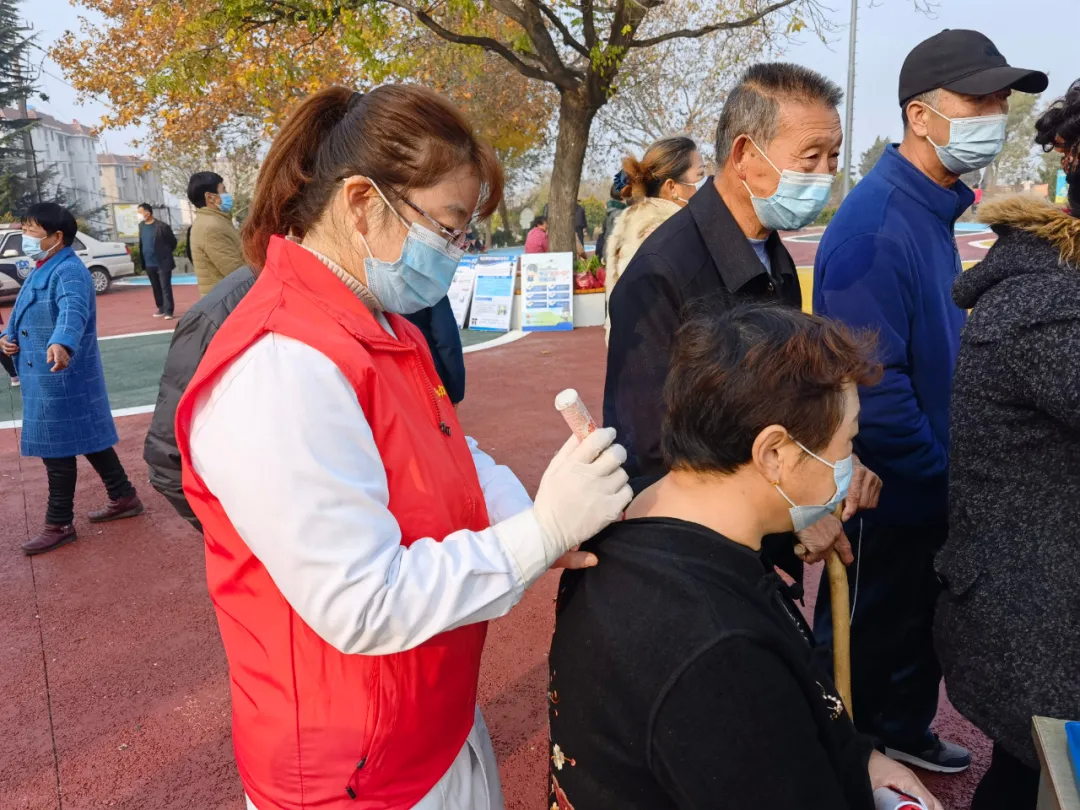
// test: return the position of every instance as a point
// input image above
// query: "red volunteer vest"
(313, 727)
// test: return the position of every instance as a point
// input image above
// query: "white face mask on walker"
(803, 517)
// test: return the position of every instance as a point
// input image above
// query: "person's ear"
(740, 155)
(767, 455)
(358, 196)
(669, 190)
(917, 114)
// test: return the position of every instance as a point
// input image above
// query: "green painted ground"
(133, 368)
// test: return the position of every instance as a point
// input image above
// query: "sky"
(1036, 36)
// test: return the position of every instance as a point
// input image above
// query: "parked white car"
(106, 261)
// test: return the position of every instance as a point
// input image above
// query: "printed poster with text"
(461, 289)
(493, 294)
(547, 289)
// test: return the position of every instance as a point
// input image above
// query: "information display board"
(461, 289)
(493, 294)
(547, 291)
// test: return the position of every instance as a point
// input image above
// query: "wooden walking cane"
(840, 600)
(841, 627)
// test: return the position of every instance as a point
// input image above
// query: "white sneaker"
(159, 314)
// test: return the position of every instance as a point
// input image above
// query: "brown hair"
(736, 372)
(402, 137)
(667, 159)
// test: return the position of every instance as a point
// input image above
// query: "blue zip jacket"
(887, 263)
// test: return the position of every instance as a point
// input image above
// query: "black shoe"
(939, 756)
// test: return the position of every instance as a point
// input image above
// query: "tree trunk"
(508, 226)
(575, 120)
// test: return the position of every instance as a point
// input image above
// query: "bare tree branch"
(487, 43)
(588, 23)
(695, 33)
(568, 38)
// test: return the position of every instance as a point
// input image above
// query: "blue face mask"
(973, 142)
(226, 203)
(31, 247)
(797, 201)
(421, 277)
(804, 516)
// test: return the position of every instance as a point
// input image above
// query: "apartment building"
(66, 158)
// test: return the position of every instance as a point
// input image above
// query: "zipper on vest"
(443, 427)
(349, 789)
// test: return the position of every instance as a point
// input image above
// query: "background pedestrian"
(156, 245)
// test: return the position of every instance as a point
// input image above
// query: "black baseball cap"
(965, 62)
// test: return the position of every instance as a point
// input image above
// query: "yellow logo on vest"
(440, 391)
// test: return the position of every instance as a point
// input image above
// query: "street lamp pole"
(849, 101)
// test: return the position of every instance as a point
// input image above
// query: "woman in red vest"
(356, 540)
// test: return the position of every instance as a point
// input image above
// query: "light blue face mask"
(804, 516)
(973, 142)
(32, 249)
(797, 201)
(226, 203)
(421, 277)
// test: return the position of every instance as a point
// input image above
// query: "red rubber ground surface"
(113, 683)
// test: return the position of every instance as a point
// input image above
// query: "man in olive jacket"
(215, 243)
(193, 334)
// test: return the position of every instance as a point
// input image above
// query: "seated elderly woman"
(681, 673)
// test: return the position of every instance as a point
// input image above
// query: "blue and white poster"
(547, 289)
(493, 294)
(461, 289)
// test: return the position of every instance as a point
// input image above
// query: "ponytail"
(402, 137)
(667, 159)
(288, 169)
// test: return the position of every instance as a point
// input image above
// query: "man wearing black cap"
(887, 262)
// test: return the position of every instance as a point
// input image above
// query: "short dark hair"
(540, 220)
(147, 207)
(201, 184)
(735, 372)
(753, 105)
(53, 218)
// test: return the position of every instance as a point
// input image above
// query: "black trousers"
(9, 365)
(63, 473)
(161, 281)
(1009, 784)
(895, 674)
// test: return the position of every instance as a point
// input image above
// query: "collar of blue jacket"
(947, 204)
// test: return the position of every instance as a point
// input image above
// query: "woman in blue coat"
(52, 337)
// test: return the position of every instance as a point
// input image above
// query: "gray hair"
(929, 98)
(753, 105)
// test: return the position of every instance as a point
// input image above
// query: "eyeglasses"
(454, 237)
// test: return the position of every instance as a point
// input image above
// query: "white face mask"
(700, 184)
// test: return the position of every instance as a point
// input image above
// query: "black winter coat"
(1008, 624)
(193, 334)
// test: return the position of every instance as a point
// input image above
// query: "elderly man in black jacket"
(777, 146)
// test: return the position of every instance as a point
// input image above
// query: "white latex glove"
(583, 490)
